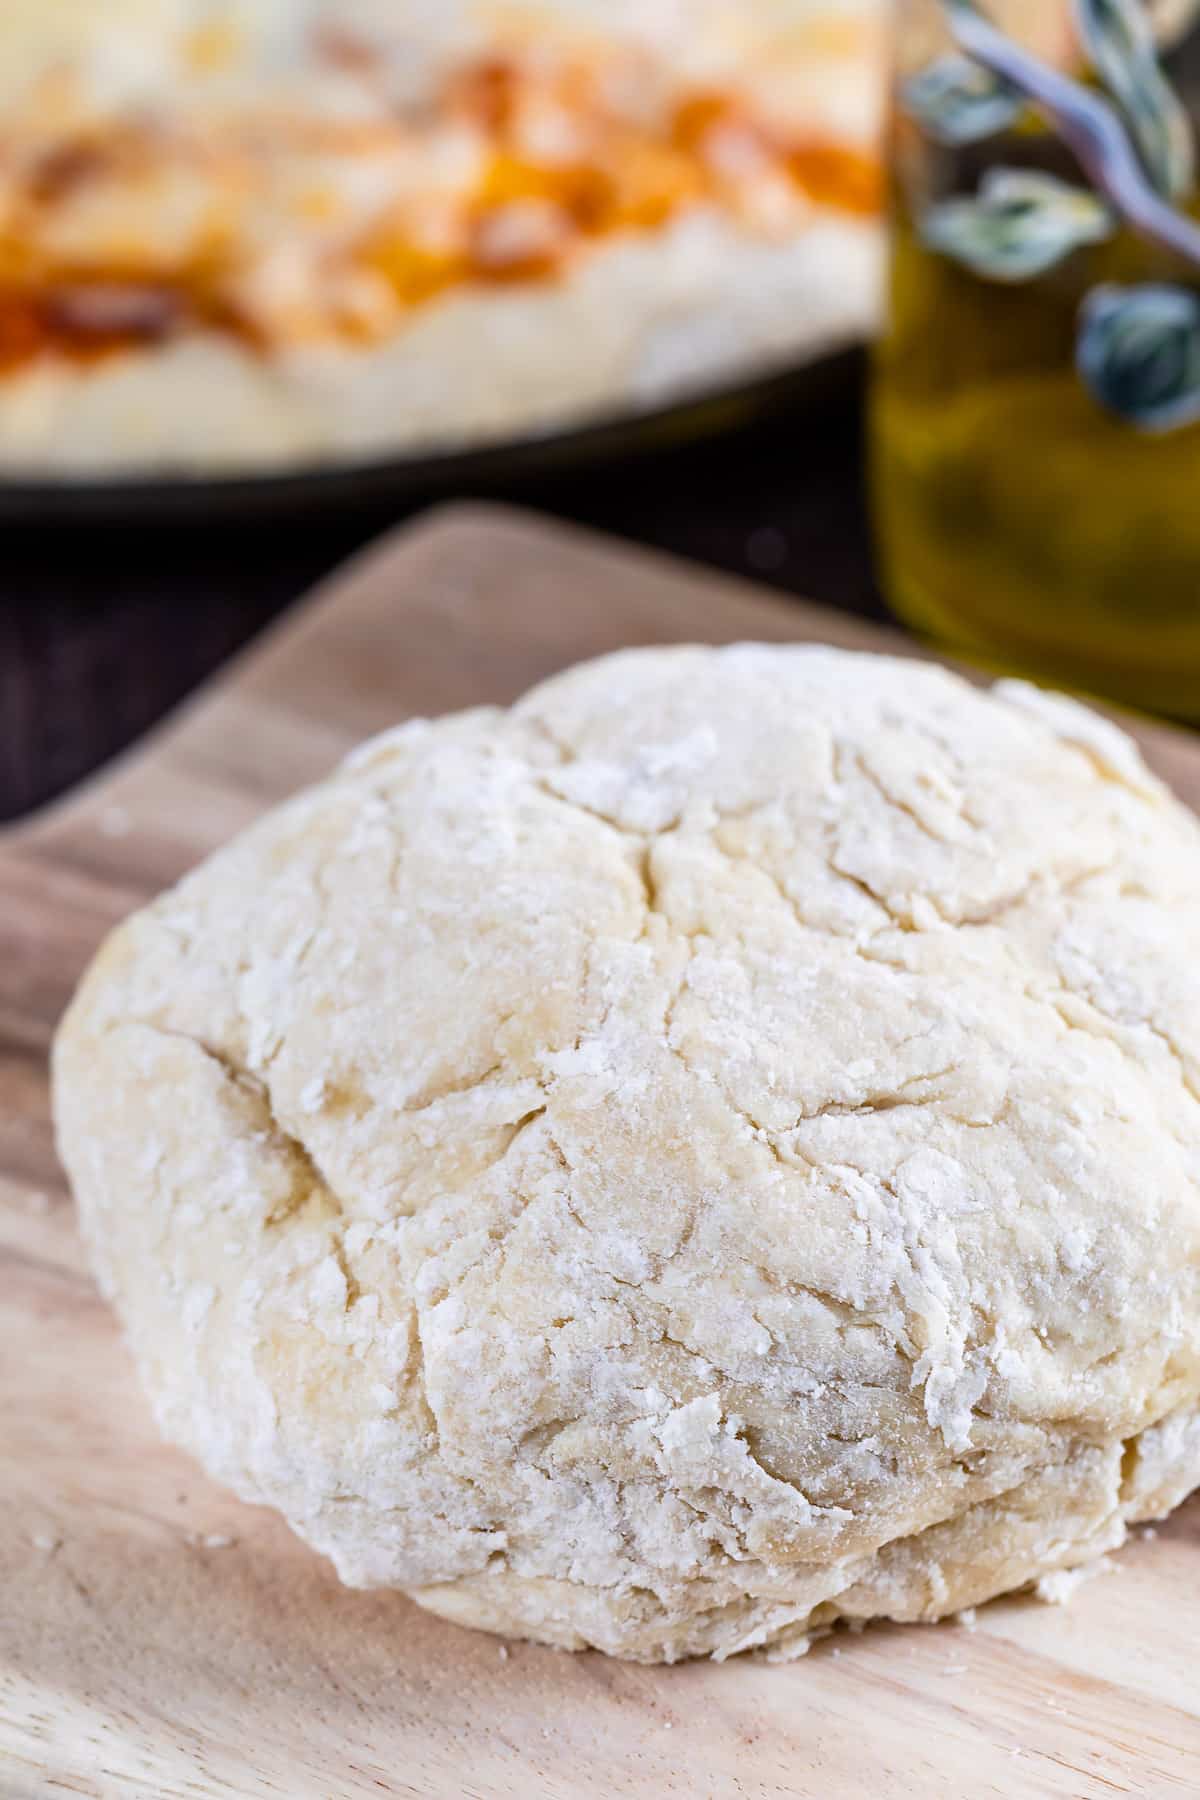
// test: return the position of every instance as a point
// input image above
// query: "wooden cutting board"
(158, 1639)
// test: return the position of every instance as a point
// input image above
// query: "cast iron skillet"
(401, 480)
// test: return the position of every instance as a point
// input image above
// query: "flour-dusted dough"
(710, 1151)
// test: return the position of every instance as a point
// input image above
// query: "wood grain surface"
(158, 1640)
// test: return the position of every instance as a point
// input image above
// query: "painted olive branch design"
(1138, 350)
(1088, 124)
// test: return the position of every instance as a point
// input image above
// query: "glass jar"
(1036, 394)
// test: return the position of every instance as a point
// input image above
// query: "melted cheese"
(270, 186)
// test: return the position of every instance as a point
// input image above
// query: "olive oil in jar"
(1023, 520)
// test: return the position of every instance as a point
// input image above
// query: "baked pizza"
(252, 234)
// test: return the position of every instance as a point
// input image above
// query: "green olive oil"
(1019, 523)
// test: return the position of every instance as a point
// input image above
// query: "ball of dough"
(710, 1151)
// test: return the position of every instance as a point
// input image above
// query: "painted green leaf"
(1138, 353)
(959, 102)
(1020, 224)
(1119, 39)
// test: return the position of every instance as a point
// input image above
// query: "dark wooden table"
(103, 629)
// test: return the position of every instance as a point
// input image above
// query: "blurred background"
(276, 274)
